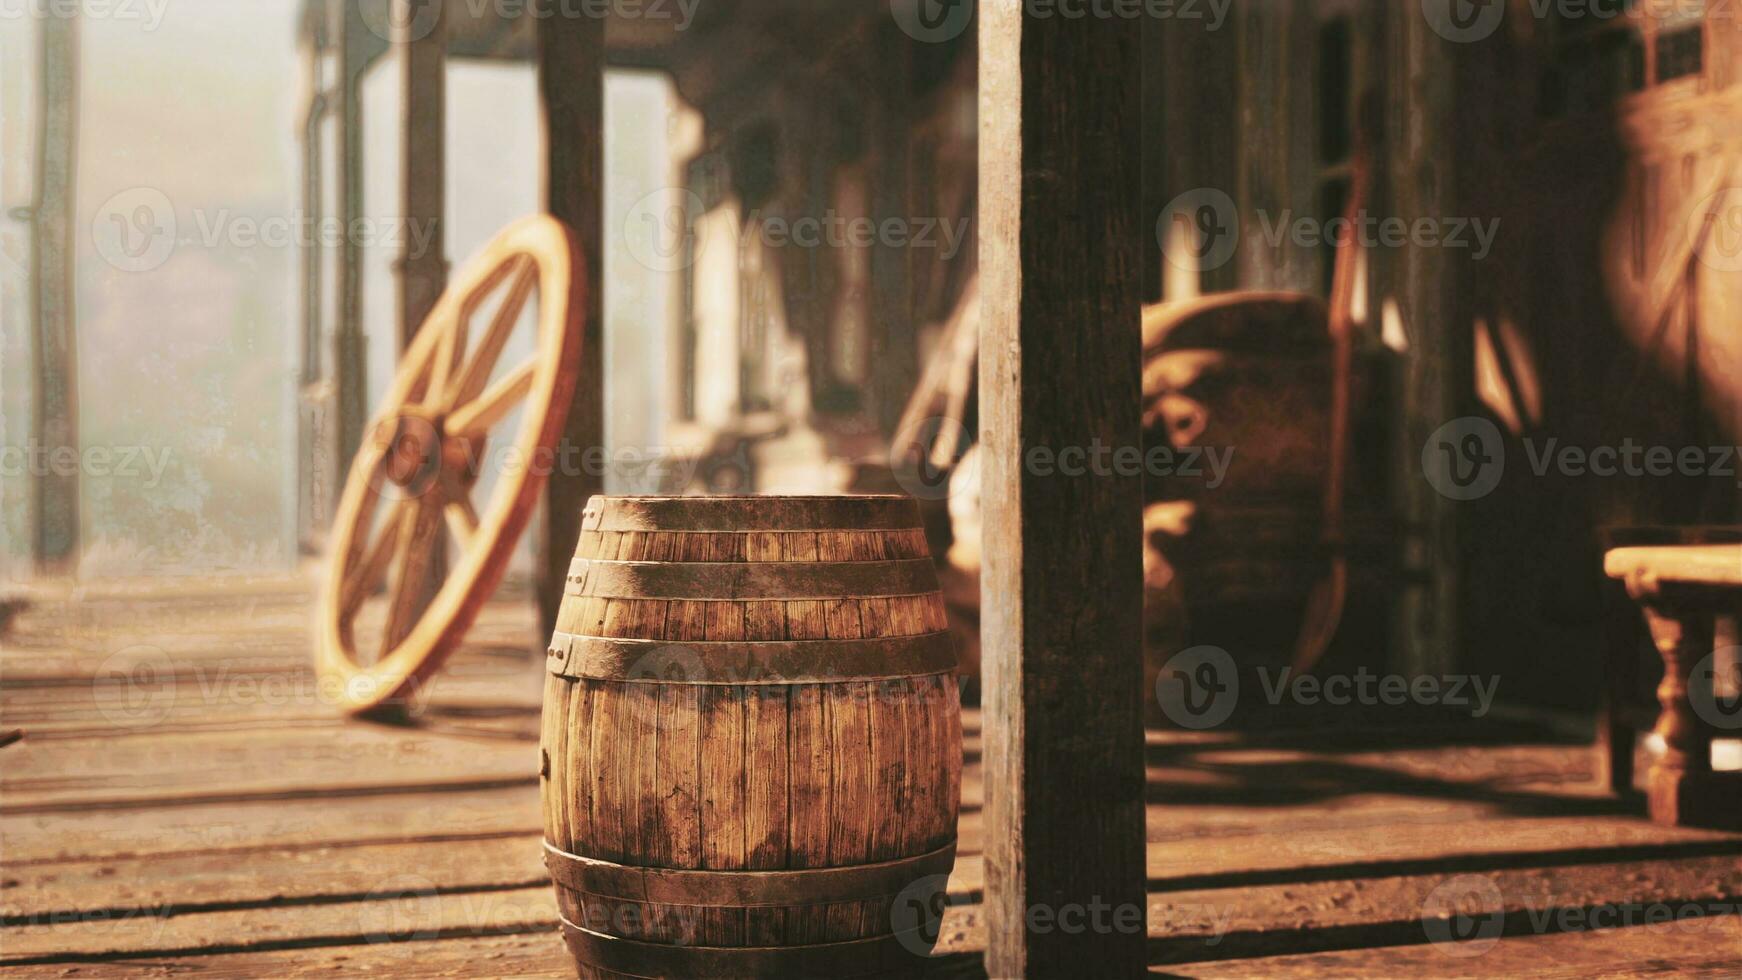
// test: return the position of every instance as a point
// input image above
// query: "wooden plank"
(1695, 947)
(1184, 927)
(1061, 588)
(55, 419)
(1716, 564)
(458, 813)
(260, 878)
(403, 905)
(94, 773)
(571, 61)
(530, 955)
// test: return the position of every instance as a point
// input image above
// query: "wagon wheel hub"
(420, 452)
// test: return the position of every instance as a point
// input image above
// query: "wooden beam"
(894, 338)
(350, 364)
(423, 267)
(56, 420)
(571, 61)
(421, 45)
(314, 486)
(1061, 591)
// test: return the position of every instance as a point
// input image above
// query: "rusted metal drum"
(751, 758)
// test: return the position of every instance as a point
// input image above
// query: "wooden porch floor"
(184, 802)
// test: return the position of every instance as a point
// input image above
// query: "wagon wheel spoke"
(462, 519)
(448, 352)
(476, 417)
(481, 361)
(418, 536)
(369, 569)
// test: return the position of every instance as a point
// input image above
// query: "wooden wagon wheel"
(425, 450)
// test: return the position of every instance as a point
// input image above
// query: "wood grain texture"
(753, 777)
(570, 58)
(1062, 575)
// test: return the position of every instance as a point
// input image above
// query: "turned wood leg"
(1681, 788)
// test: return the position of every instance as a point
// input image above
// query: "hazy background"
(195, 362)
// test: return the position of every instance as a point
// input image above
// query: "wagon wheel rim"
(424, 452)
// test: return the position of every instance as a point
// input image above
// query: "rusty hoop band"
(751, 580)
(762, 662)
(736, 514)
(744, 889)
(891, 955)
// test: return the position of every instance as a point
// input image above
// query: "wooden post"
(350, 367)
(56, 421)
(423, 267)
(1061, 595)
(314, 493)
(571, 61)
(894, 340)
(1431, 288)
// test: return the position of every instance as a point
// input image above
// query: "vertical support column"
(894, 341)
(423, 267)
(1424, 139)
(56, 419)
(571, 84)
(314, 496)
(1061, 592)
(350, 374)
(421, 47)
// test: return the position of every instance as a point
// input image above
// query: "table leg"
(1681, 788)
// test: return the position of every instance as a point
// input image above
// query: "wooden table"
(1683, 589)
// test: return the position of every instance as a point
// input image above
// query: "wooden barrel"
(751, 752)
